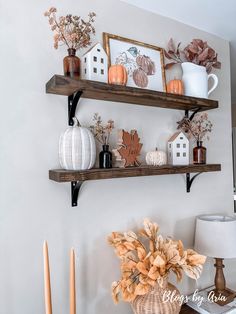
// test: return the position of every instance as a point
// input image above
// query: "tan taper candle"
(47, 285)
(72, 283)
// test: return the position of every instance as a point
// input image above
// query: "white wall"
(34, 208)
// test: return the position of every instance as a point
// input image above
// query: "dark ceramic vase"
(105, 158)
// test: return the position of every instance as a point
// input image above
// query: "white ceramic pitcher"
(195, 79)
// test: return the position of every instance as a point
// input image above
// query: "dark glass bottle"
(71, 64)
(199, 153)
(105, 158)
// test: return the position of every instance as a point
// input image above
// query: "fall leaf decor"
(146, 259)
(128, 149)
(71, 30)
(197, 52)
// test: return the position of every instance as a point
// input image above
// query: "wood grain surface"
(60, 175)
(62, 85)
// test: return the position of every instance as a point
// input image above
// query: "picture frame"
(144, 62)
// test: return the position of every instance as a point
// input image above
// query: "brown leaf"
(192, 271)
(151, 282)
(180, 248)
(159, 261)
(131, 264)
(167, 55)
(143, 279)
(195, 258)
(115, 291)
(130, 236)
(217, 65)
(127, 296)
(141, 268)
(172, 256)
(171, 45)
(143, 233)
(153, 273)
(198, 42)
(150, 228)
(209, 68)
(121, 250)
(147, 226)
(129, 246)
(131, 288)
(178, 273)
(178, 49)
(130, 149)
(152, 246)
(142, 289)
(141, 253)
(203, 56)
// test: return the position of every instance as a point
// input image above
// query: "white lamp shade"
(215, 236)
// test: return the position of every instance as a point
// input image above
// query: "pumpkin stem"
(76, 122)
(156, 149)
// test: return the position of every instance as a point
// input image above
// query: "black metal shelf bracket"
(72, 105)
(189, 181)
(193, 114)
(75, 188)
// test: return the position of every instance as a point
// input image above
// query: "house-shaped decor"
(95, 64)
(178, 149)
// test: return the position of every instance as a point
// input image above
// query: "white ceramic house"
(178, 149)
(95, 64)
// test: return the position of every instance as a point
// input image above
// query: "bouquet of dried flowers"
(197, 52)
(102, 132)
(144, 266)
(71, 30)
(198, 127)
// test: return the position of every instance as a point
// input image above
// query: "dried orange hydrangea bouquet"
(144, 266)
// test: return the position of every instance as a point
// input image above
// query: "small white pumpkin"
(77, 148)
(156, 158)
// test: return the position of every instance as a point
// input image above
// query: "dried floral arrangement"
(102, 132)
(198, 127)
(197, 52)
(71, 30)
(144, 266)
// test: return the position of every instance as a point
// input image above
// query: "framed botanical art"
(144, 63)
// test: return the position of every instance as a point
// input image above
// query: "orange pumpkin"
(117, 75)
(175, 87)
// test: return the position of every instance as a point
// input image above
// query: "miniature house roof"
(175, 135)
(97, 45)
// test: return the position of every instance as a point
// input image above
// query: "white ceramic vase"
(195, 79)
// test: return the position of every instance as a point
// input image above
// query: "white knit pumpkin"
(77, 149)
(156, 158)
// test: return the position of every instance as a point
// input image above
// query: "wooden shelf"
(75, 89)
(78, 177)
(62, 85)
(60, 175)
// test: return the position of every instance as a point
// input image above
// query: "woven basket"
(152, 302)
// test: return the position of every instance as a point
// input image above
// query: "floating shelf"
(62, 85)
(78, 177)
(75, 89)
(60, 175)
